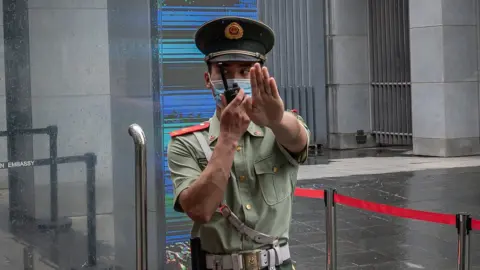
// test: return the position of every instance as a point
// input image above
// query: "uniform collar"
(214, 129)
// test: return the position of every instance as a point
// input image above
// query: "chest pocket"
(273, 178)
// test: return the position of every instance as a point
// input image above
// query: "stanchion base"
(62, 223)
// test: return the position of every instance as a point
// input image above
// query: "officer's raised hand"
(266, 107)
(234, 120)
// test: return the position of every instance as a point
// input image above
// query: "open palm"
(266, 106)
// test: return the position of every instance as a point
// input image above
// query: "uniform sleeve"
(184, 169)
(301, 157)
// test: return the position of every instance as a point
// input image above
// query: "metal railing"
(140, 196)
(90, 159)
(54, 222)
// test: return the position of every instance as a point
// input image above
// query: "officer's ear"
(206, 77)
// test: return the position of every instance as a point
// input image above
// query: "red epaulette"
(191, 129)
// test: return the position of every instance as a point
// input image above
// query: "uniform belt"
(254, 260)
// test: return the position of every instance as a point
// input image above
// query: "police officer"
(235, 174)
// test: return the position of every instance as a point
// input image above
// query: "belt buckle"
(251, 260)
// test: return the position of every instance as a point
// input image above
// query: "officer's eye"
(245, 71)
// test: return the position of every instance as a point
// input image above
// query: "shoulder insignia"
(191, 129)
(295, 111)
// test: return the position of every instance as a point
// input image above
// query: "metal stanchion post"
(140, 195)
(464, 226)
(53, 133)
(331, 228)
(28, 258)
(91, 162)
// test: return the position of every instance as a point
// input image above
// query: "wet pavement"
(368, 240)
(365, 240)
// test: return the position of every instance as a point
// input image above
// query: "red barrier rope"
(448, 219)
(309, 193)
(396, 211)
(475, 224)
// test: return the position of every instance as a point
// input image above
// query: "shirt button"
(242, 178)
(239, 148)
(275, 169)
(248, 206)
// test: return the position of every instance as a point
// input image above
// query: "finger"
(259, 78)
(266, 78)
(253, 82)
(273, 88)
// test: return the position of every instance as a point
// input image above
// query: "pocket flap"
(268, 165)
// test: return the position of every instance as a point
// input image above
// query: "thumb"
(237, 100)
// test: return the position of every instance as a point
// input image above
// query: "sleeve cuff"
(176, 203)
(300, 157)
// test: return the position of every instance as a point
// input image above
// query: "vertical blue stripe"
(182, 106)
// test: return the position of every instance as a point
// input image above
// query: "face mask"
(219, 88)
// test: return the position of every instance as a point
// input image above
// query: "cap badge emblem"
(234, 31)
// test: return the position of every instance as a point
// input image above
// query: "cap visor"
(234, 58)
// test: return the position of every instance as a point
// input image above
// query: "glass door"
(74, 75)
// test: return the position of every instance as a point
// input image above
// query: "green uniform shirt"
(261, 193)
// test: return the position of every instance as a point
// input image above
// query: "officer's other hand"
(234, 120)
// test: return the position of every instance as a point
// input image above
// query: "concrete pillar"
(3, 111)
(70, 88)
(348, 75)
(18, 108)
(444, 67)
